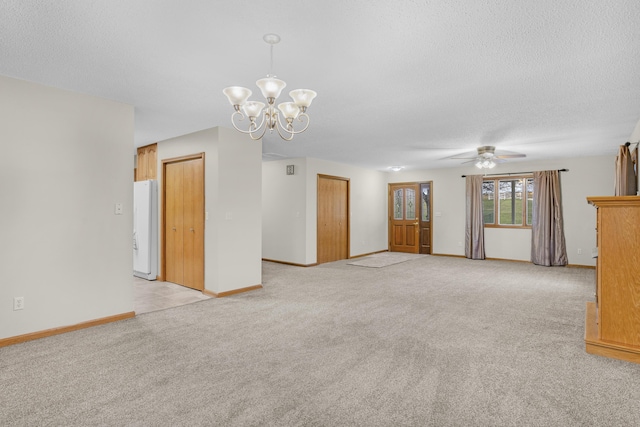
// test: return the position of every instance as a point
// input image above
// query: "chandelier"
(263, 117)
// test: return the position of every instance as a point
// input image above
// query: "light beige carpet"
(436, 341)
(384, 259)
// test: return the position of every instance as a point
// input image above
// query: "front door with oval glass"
(404, 230)
(410, 217)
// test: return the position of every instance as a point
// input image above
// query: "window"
(508, 201)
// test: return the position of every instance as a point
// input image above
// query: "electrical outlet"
(18, 303)
(579, 251)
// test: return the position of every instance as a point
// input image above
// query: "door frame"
(348, 181)
(163, 247)
(419, 207)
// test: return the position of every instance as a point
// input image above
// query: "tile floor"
(153, 295)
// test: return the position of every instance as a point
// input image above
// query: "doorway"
(183, 221)
(333, 219)
(410, 228)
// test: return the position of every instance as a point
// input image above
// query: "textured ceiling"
(399, 82)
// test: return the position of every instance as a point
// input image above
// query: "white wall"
(65, 162)
(233, 202)
(290, 209)
(587, 176)
(284, 211)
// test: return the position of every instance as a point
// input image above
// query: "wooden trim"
(61, 330)
(506, 226)
(407, 183)
(183, 158)
(370, 253)
(340, 178)
(450, 255)
(593, 345)
(289, 263)
(614, 201)
(233, 292)
(507, 260)
(590, 267)
(496, 208)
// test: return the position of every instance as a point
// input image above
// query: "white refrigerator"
(145, 229)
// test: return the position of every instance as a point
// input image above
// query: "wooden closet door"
(333, 219)
(174, 223)
(193, 214)
(184, 222)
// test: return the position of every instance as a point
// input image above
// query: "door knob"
(174, 229)
(415, 223)
(191, 229)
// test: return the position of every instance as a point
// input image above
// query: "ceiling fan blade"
(510, 156)
(467, 155)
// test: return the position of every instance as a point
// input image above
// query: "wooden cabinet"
(147, 162)
(612, 326)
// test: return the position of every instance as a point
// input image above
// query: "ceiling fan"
(487, 157)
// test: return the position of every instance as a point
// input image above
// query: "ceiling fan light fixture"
(485, 163)
(486, 157)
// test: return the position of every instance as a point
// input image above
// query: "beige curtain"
(547, 230)
(474, 228)
(626, 179)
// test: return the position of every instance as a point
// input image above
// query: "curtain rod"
(513, 173)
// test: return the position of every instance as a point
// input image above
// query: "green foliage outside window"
(511, 196)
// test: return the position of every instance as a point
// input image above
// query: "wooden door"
(425, 217)
(404, 230)
(193, 223)
(184, 222)
(173, 223)
(333, 219)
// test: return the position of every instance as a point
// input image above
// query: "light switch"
(118, 209)
(228, 216)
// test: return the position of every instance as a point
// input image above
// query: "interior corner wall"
(367, 206)
(290, 209)
(587, 176)
(284, 211)
(232, 202)
(65, 163)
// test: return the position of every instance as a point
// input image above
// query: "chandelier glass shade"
(266, 116)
